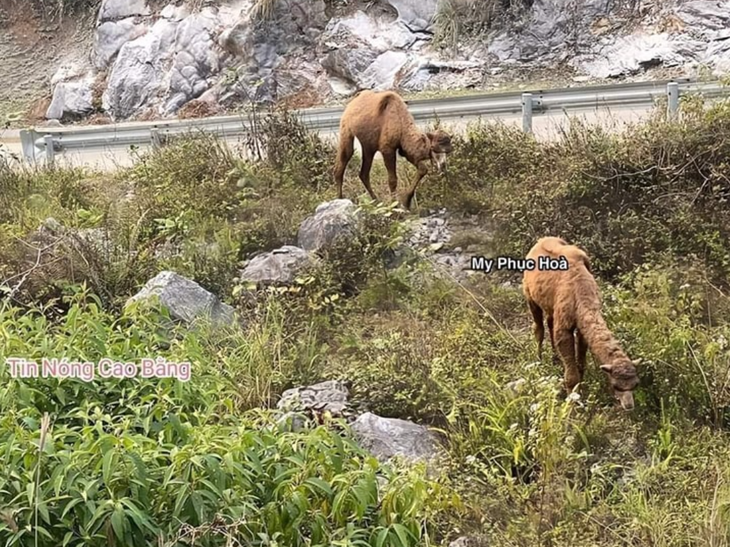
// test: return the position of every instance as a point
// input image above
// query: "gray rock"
(372, 32)
(382, 73)
(185, 299)
(635, 53)
(175, 13)
(341, 87)
(300, 78)
(280, 266)
(237, 40)
(349, 63)
(112, 10)
(69, 71)
(417, 15)
(331, 221)
(195, 59)
(386, 438)
(111, 36)
(330, 396)
(550, 28)
(702, 15)
(366, 50)
(138, 75)
(71, 99)
(79, 239)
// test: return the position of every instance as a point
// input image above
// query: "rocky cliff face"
(149, 59)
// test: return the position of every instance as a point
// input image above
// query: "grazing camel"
(571, 301)
(381, 123)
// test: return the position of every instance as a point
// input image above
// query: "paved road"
(545, 127)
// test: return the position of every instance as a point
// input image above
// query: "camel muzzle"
(626, 398)
(439, 162)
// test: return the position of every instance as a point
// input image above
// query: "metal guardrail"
(45, 142)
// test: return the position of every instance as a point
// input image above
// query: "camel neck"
(601, 341)
(412, 144)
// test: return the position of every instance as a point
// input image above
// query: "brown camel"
(382, 123)
(571, 301)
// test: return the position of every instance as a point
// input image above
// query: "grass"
(141, 461)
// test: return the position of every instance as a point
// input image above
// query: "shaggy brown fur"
(571, 301)
(382, 123)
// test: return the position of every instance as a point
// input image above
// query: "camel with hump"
(381, 122)
(571, 302)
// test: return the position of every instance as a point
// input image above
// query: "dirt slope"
(31, 48)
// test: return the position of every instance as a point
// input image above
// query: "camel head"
(623, 379)
(440, 146)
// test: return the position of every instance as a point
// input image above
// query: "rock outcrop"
(326, 397)
(151, 59)
(331, 221)
(277, 267)
(185, 300)
(387, 438)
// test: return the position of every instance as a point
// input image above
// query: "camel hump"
(558, 246)
(386, 100)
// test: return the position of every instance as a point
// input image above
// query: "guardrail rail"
(45, 142)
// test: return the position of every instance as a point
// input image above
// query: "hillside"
(327, 372)
(130, 59)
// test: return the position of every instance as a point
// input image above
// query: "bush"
(252, 483)
(659, 186)
(139, 461)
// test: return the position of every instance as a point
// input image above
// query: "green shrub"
(253, 483)
(659, 186)
(137, 461)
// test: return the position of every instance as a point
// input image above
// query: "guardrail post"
(527, 112)
(155, 138)
(27, 143)
(50, 152)
(672, 99)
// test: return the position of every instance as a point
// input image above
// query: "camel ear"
(607, 368)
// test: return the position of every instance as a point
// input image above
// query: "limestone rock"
(417, 15)
(138, 76)
(111, 36)
(386, 438)
(349, 63)
(331, 221)
(112, 10)
(195, 59)
(382, 73)
(278, 267)
(705, 14)
(71, 99)
(635, 53)
(185, 299)
(330, 396)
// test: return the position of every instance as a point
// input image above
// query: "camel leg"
(581, 349)
(551, 331)
(389, 159)
(344, 154)
(538, 327)
(367, 163)
(566, 346)
(422, 171)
